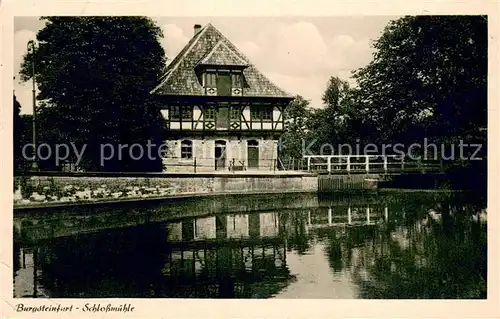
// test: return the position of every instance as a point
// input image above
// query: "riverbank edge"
(152, 199)
(64, 190)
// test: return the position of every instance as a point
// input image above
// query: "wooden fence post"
(385, 164)
(367, 164)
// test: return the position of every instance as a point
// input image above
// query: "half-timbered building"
(221, 112)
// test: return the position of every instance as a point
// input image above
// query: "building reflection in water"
(26, 272)
(338, 250)
(236, 255)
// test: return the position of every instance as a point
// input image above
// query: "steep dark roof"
(210, 47)
(221, 54)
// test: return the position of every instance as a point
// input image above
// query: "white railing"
(367, 163)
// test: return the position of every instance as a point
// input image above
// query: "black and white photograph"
(248, 157)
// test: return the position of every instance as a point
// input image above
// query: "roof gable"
(221, 54)
(210, 46)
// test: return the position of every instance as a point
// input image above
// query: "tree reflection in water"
(441, 254)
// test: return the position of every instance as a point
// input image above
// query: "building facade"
(221, 112)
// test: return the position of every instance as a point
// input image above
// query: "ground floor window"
(186, 149)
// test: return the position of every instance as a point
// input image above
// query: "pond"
(396, 245)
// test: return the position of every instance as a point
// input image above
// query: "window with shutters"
(222, 81)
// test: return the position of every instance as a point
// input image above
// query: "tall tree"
(334, 124)
(310, 129)
(297, 115)
(427, 79)
(336, 93)
(94, 76)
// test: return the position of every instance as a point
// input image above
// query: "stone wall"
(63, 189)
(332, 183)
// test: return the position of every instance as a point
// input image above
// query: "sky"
(297, 54)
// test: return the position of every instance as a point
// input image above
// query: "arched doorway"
(220, 154)
(253, 153)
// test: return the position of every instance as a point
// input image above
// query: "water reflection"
(400, 246)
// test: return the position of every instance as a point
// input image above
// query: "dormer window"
(236, 80)
(221, 70)
(210, 79)
(223, 82)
